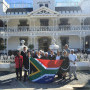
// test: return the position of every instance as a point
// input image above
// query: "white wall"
(74, 42)
(13, 22)
(74, 21)
(13, 43)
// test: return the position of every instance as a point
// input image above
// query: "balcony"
(44, 28)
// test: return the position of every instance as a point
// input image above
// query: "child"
(18, 64)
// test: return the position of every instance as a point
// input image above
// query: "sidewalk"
(8, 82)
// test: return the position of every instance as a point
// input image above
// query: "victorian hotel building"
(38, 25)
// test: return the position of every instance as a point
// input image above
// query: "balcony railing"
(44, 28)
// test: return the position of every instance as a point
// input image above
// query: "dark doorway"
(23, 25)
(44, 43)
(87, 21)
(1, 23)
(64, 21)
(44, 22)
(87, 42)
(64, 40)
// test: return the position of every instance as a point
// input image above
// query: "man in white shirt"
(72, 59)
(58, 56)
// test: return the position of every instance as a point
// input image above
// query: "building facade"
(40, 24)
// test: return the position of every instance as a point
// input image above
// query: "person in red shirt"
(19, 64)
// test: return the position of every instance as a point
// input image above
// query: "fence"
(10, 59)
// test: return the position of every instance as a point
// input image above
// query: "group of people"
(68, 65)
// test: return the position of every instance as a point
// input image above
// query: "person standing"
(19, 64)
(26, 66)
(52, 56)
(24, 54)
(64, 68)
(72, 59)
(58, 56)
(67, 49)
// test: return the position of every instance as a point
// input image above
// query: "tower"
(47, 3)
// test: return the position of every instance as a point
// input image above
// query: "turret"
(47, 3)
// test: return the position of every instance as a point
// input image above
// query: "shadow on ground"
(10, 83)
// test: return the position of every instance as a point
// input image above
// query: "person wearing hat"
(19, 64)
(72, 59)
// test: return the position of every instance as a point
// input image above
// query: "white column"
(84, 41)
(80, 23)
(34, 23)
(7, 25)
(7, 37)
(30, 21)
(7, 46)
(56, 22)
(53, 24)
(53, 21)
(80, 41)
(34, 42)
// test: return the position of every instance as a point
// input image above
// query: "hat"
(72, 50)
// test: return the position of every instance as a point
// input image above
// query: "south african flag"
(43, 71)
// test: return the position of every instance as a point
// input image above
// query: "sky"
(14, 1)
(31, 1)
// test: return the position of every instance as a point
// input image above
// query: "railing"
(83, 57)
(45, 28)
(7, 59)
(10, 59)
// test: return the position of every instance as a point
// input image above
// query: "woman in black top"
(65, 65)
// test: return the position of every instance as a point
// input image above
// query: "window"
(46, 5)
(40, 5)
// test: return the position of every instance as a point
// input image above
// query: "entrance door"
(64, 40)
(44, 43)
(87, 42)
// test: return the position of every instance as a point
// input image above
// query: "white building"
(38, 25)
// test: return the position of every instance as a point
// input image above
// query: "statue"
(20, 48)
(54, 47)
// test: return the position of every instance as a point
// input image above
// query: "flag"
(43, 71)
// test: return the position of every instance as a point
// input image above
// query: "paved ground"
(8, 81)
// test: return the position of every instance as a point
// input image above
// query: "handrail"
(44, 28)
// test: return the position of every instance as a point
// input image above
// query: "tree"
(31, 46)
(2, 47)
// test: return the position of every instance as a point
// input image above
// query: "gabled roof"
(19, 9)
(43, 11)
